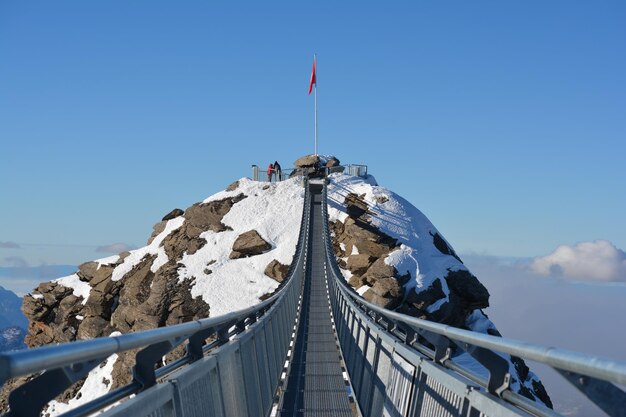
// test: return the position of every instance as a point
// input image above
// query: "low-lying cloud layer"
(578, 315)
(9, 245)
(114, 248)
(599, 260)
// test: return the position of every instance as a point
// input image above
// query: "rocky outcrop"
(249, 243)
(52, 315)
(233, 186)
(359, 264)
(386, 292)
(307, 161)
(276, 270)
(450, 298)
(198, 219)
(145, 297)
(367, 265)
(173, 214)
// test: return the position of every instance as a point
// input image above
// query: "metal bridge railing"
(239, 376)
(396, 372)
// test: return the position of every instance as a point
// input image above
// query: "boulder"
(472, 294)
(87, 270)
(233, 186)
(306, 161)
(156, 230)
(249, 243)
(443, 246)
(198, 219)
(379, 270)
(356, 207)
(173, 214)
(356, 281)
(332, 162)
(276, 270)
(425, 297)
(358, 264)
(92, 327)
(374, 249)
(386, 293)
(208, 216)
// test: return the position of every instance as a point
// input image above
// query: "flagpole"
(315, 60)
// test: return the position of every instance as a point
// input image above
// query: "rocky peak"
(184, 273)
(395, 258)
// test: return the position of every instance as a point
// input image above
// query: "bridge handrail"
(86, 354)
(591, 367)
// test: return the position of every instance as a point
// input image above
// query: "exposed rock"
(198, 219)
(443, 246)
(92, 327)
(472, 294)
(356, 207)
(276, 270)
(306, 161)
(356, 281)
(87, 270)
(379, 270)
(233, 186)
(156, 230)
(53, 317)
(208, 216)
(249, 243)
(332, 162)
(358, 264)
(386, 293)
(421, 300)
(173, 214)
(381, 199)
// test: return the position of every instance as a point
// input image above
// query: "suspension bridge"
(314, 348)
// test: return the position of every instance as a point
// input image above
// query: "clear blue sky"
(504, 122)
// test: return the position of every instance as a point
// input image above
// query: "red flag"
(313, 80)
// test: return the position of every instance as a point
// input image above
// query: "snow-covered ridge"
(398, 218)
(433, 267)
(274, 210)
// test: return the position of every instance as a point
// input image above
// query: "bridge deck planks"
(315, 384)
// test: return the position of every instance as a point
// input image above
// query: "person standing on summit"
(270, 169)
(277, 171)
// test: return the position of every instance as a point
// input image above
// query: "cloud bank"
(9, 245)
(551, 311)
(599, 260)
(114, 248)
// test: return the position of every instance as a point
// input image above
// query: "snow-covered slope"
(431, 280)
(187, 271)
(389, 250)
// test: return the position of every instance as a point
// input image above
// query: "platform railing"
(237, 360)
(403, 366)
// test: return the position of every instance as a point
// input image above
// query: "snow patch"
(396, 217)
(79, 288)
(153, 248)
(107, 261)
(95, 386)
(275, 213)
(363, 289)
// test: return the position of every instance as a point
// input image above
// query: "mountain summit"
(234, 248)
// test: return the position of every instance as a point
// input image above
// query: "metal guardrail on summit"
(395, 372)
(236, 373)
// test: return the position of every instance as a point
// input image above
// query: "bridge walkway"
(315, 384)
